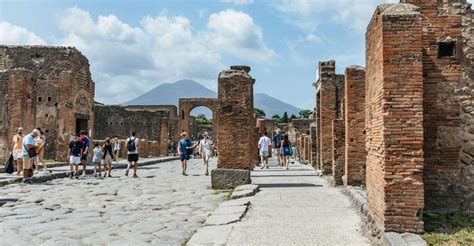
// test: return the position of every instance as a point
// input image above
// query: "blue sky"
(133, 46)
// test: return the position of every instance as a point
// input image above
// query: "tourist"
(277, 146)
(97, 159)
(28, 152)
(116, 149)
(85, 150)
(185, 149)
(74, 153)
(264, 146)
(286, 150)
(17, 149)
(132, 148)
(205, 147)
(108, 157)
(40, 142)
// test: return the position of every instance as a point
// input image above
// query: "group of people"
(186, 148)
(28, 152)
(282, 149)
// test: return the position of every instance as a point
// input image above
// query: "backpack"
(9, 165)
(131, 147)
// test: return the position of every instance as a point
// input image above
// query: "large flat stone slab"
(236, 202)
(244, 191)
(231, 210)
(211, 235)
(222, 178)
(223, 219)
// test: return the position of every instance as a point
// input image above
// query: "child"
(96, 159)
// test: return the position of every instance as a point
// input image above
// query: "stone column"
(338, 151)
(314, 146)
(354, 99)
(164, 137)
(236, 132)
(394, 118)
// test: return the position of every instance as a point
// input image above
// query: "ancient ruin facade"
(63, 94)
(187, 122)
(236, 132)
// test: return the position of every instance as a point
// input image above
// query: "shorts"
(132, 157)
(184, 157)
(84, 158)
(277, 151)
(27, 163)
(97, 163)
(108, 159)
(264, 153)
(17, 156)
(286, 152)
(75, 160)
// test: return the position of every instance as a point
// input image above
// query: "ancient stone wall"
(448, 104)
(314, 145)
(354, 99)
(65, 98)
(18, 94)
(338, 148)
(394, 118)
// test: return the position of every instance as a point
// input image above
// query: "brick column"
(394, 118)
(236, 132)
(338, 151)
(307, 149)
(354, 99)
(164, 137)
(314, 146)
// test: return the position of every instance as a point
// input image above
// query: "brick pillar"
(307, 149)
(318, 131)
(338, 151)
(236, 132)
(314, 146)
(354, 99)
(164, 137)
(394, 118)
(327, 108)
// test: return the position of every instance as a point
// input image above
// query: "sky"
(133, 46)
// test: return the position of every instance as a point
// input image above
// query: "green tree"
(293, 117)
(284, 118)
(276, 117)
(305, 113)
(258, 113)
(202, 120)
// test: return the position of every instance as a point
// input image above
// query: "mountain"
(169, 94)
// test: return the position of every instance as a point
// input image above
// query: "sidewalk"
(61, 170)
(296, 207)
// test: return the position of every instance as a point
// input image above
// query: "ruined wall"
(65, 91)
(448, 105)
(18, 105)
(298, 126)
(338, 147)
(314, 145)
(354, 99)
(394, 118)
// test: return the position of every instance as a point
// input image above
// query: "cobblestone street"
(160, 207)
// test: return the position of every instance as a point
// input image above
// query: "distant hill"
(169, 94)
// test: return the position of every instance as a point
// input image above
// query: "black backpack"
(131, 147)
(9, 165)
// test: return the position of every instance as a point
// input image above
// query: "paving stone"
(222, 219)
(230, 210)
(211, 235)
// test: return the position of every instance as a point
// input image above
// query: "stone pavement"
(61, 170)
(296, 207)
(161, 207)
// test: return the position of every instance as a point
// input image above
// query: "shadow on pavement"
(288, 185)
(301, 175)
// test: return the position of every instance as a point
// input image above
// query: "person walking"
(264, 146)
(85, 151)
(108, 157)
(277, 146)
(205, 147)
(132, 148)
(17, 145)
(116, 150)
(29, 153)
(286, 150)
(185, 149)
(40, 142)
(97, 159)
(74, 153)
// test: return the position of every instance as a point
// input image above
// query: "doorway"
(81, 124)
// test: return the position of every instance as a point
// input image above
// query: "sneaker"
(70, 175)
(100, 175)
(207, 173)
(262, 167)
(267, 167)
(135, 176)
(126, 173)
(83, 174)
(95, 175)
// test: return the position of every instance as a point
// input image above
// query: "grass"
(455, 229)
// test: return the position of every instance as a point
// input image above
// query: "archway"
(202, 118)
(186, 105)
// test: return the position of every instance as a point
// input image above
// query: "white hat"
(36, 131)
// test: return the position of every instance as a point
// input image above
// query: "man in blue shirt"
(28, 145)
(85, 150)
(185, 148)
(277, 145)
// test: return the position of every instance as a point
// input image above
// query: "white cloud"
(161, 49)
(312, 38)
(351, 13)
(11, 34)
(237, 2)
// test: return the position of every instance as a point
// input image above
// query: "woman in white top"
(116, 149)
(205, 149)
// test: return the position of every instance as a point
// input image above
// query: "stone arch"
(186, 105)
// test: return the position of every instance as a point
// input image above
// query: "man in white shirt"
(264, 146)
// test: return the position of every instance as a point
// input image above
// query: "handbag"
(31, 152)
(9, 165)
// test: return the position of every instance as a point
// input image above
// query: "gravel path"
(160, 207)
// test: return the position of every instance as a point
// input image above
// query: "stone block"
(223, 178)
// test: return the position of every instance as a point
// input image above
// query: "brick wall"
(338, 151)
(394, 118)
(354, 99)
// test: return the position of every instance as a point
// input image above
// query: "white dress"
(205, 146)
